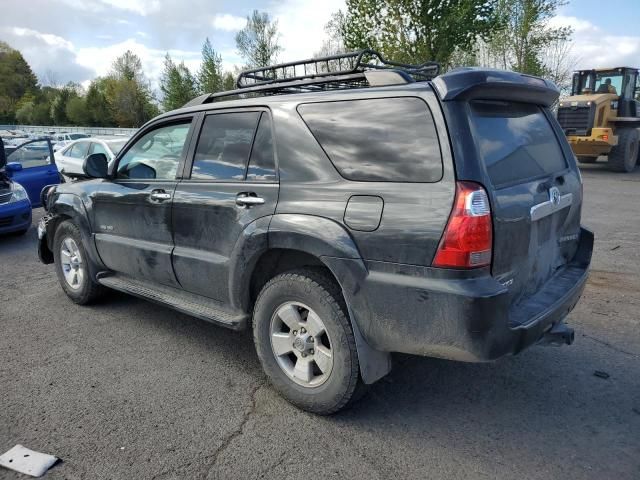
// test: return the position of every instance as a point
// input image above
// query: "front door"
(229, 183)
(132, 211)
(36, 169)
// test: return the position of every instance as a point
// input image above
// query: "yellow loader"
(602, 116)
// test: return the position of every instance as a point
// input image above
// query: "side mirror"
(96, 165)
(13, 167)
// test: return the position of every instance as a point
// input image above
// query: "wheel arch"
(286, 242)
(67, 206)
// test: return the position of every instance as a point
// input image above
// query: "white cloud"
(594, 47)
(141, 7)
(51, 40)
(100, 59)
(228, 22)
(301, 24)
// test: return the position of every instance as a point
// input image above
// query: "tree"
(128, 92)
(417, 31)
(177, 84)
(24, 113)
(228, 81)
(128, 66)
(257, 42)
(16, 80)
(333, 44)
(58, 110)
(77, 112)
(97, 106)
(524, 37)
(210, 76)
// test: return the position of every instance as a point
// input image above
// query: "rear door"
(38, 168)
(535, 191)
(73, 157)
(230, 182)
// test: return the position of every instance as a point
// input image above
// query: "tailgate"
(535, 192)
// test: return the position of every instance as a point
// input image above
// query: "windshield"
(608, 82)
(76, 136)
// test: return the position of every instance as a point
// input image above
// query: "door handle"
(248, 200)
(160, 195)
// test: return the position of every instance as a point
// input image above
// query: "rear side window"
(78, 150)
(262, 165)
(515, 141)
(377, 140)
(224, 146)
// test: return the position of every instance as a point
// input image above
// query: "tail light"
(467, 239)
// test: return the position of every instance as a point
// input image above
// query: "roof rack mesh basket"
(334, 72)
(340, 65)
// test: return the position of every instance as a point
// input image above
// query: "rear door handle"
(248, 199)
(160, 195)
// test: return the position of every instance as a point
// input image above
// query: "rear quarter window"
(377, 140)
(515, 141)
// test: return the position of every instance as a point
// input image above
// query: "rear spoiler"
(489, 84)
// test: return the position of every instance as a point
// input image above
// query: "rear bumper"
(15, 217)
(446, 314)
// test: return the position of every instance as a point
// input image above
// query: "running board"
(185, 302)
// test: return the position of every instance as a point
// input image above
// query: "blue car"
(24, 172)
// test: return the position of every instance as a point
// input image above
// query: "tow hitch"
(559, 334)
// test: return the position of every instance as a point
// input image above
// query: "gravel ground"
(127, 389)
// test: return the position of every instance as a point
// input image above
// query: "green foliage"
(524, 34)
(16, 80)
(257, 42)
(97, 104)
(177, 84)
(417, 30)
(228, 81)
(210, 76)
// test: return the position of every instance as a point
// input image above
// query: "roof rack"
(358, 69)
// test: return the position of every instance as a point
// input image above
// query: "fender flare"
(71, 206)
(326, 240)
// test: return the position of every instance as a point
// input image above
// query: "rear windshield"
(377, 140)
(515, 141)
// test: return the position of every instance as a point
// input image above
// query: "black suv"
(342, 215)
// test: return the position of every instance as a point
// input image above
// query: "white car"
(71, 158)
(61, 140)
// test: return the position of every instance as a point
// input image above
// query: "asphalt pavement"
(126, 389)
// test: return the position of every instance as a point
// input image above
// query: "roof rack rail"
(335, 72)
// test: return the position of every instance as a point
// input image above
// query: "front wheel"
(305, 342)
(71, 263)
(623, 156)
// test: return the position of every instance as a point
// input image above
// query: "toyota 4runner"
(364, 208)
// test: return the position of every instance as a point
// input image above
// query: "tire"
(313, 294)
(585, 159)
(68, 238)
(623, 157)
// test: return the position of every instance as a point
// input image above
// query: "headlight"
(19, 193)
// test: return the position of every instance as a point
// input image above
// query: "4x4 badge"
(554, 195)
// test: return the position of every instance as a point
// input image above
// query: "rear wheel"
(623, 157)
(304, 340)
(585, 159)
(71, 263)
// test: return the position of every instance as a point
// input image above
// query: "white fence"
(88, 130)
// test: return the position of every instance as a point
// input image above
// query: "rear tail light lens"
(467, 239)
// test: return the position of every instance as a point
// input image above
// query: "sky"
(77, 40)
